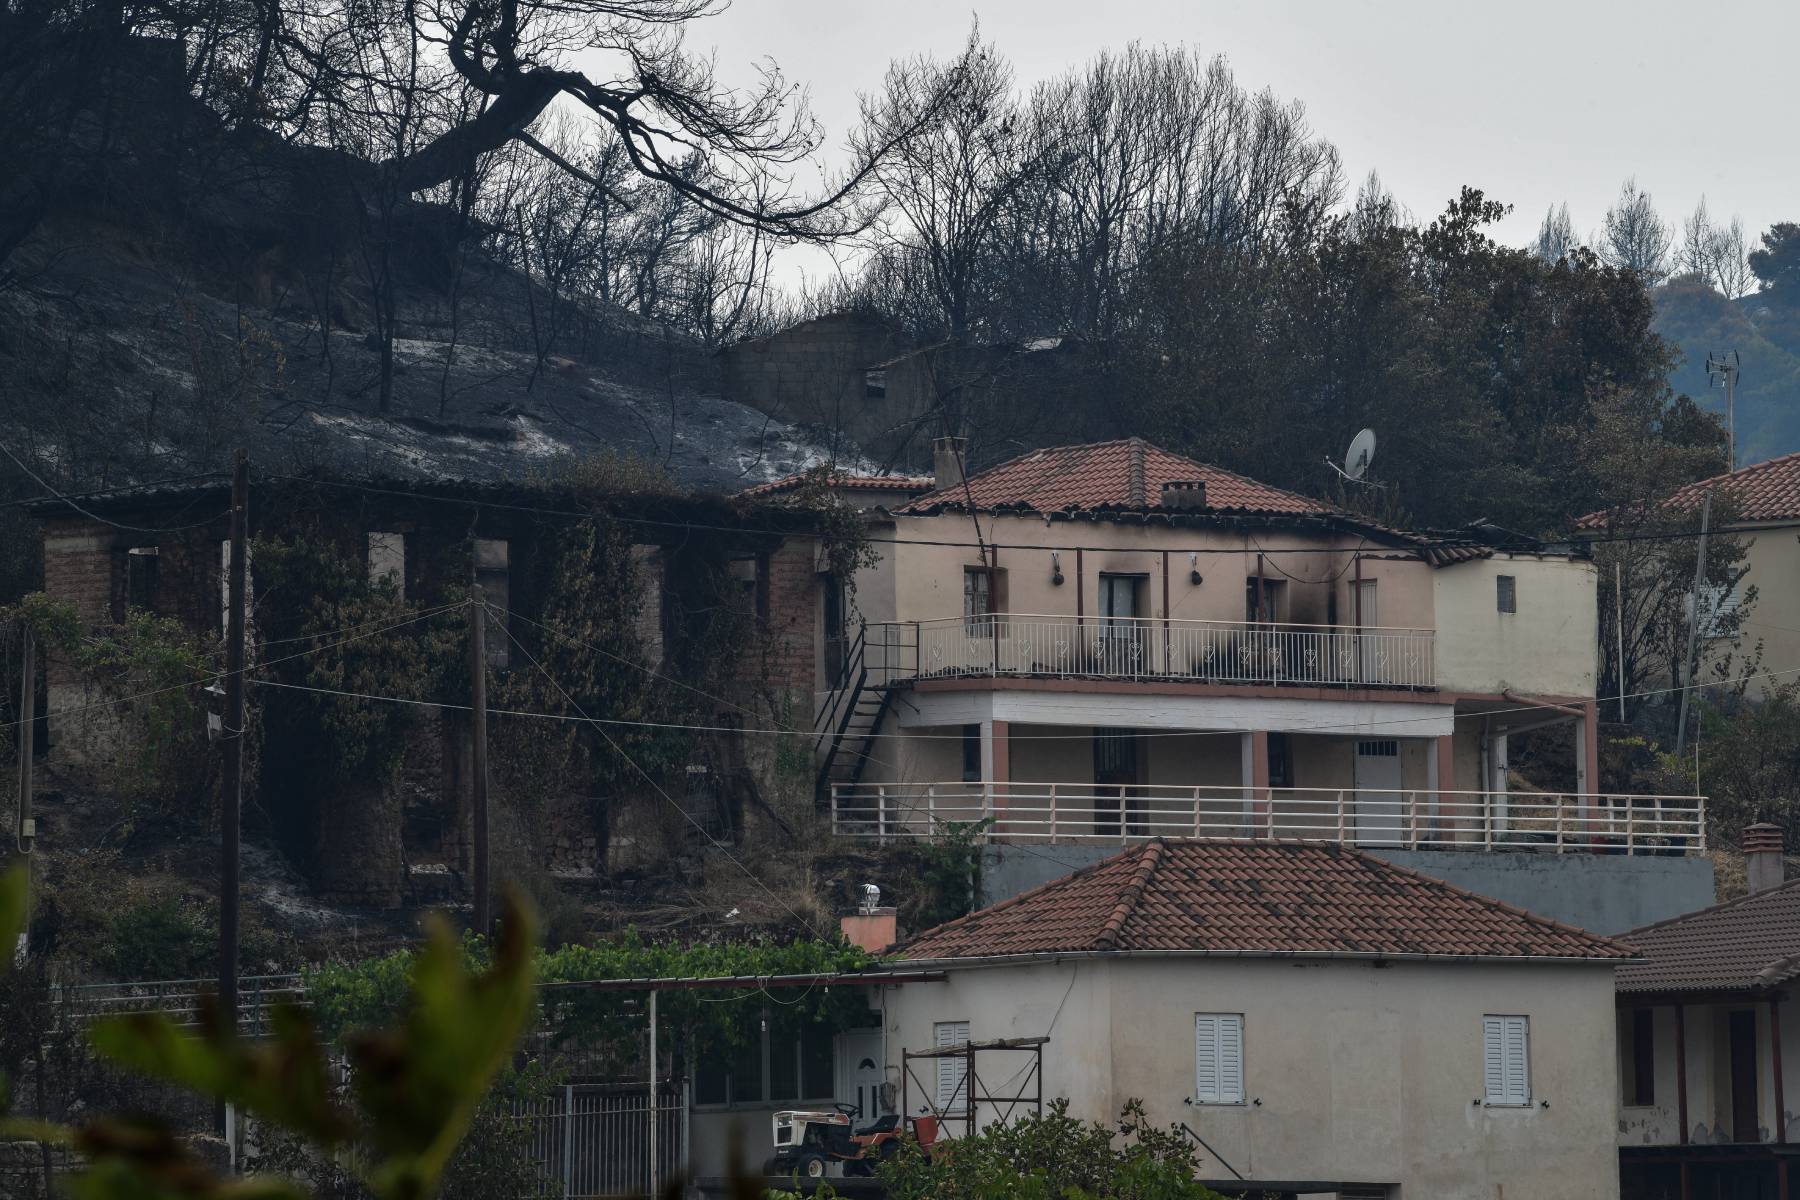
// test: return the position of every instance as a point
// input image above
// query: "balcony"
(1541, 822)
(1144, 648)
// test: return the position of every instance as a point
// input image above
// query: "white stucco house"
(1322, 1022)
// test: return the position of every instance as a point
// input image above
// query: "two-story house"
(1095, 643)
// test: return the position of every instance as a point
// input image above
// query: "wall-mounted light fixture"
(1194, 567)
(1056, 575)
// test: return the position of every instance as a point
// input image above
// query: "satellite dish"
(1356, 458)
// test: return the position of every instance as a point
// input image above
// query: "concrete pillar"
(996, 760)
(1253, 765)
(1440, 776)
(1587, 759)
(1497, 767)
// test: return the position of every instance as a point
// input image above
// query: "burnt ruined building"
(645, 610)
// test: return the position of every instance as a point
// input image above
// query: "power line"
(657, 787)
(568, 514)
(40, 481)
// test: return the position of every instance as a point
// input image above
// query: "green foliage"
(333, 629)
(418, 1086)
(1777, 264)
(1047, 1157)
(950, 882)
(149, 667)
(1749, 763)
(1697, 320)
(160, 939)
(349, 996)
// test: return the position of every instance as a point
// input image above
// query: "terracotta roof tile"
(1127, 474)
(1739, 945)
(1264, 897)
(912, 484)
(1765, 491)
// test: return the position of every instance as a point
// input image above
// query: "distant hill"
(1697, 319)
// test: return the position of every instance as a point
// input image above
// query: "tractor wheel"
(810, 1166)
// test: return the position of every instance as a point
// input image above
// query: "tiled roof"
(911, 484)
(1766, 491)
(1264, 897)
(1124, 474)
(1743, 944)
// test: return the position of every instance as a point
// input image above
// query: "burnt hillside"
(182, 288)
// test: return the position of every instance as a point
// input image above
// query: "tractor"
(806, 1142)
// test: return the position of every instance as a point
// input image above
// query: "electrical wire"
(655, 786)
(634, 664)
(1401, 537)
(93, 516)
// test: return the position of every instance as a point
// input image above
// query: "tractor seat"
(886, 1124)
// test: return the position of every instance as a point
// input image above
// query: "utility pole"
(231, 799)
(1722, 368)
(27, 828)
(478, 706)
(1693, 668)
(1619, 630)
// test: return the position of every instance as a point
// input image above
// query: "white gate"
(594, 1139)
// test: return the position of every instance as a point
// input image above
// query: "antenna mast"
(1722, 370)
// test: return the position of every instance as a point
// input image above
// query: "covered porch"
(1034, 766)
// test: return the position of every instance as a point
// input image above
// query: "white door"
(1378, 812)
(859, 1073)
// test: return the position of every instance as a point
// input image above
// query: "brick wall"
(792, 658)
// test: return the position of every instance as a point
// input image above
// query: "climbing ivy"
(354, 995)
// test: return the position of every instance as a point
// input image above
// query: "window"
(978, 601)
(1719, 604)
(971, 753)
(493, 572)
(1218, 1058)
(387, 562)
(875, 384)
(1506, 593)
(1506, 1061)
(952, 1073)
(1637, 1066)
(1267, 603)
(141, 563)
(772, 1068)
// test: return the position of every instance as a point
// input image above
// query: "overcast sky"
(1534, 102)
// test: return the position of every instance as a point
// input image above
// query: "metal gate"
(594, 1139)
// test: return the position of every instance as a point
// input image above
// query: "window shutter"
(952, 1090)
(1218, 1058)
(1506, 1060)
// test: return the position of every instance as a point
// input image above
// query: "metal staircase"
(845, 729)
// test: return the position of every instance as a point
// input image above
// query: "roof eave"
(1026, 958)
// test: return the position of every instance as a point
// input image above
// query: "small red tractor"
(807, 1142)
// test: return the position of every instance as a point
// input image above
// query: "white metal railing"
(1152, 648)
(180, 999)
(1412, 819)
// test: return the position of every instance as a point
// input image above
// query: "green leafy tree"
(1777, 264)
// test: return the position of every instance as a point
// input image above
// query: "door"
(1120, 643)
(833, 623)
(1115, 780)
(1744, 1126)
(859, 1073)
(1378, 820)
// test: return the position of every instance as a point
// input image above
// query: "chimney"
(871, 926)
(1189, 494)
(947, 461)
(1764, 863)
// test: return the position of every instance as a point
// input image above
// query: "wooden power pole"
(231, 799)
(27, 827)
(483, 924)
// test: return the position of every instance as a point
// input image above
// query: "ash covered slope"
(202, 289)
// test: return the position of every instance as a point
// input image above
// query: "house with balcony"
(1706, 1029)
(1097, 643)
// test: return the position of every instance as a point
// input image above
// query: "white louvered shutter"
(1218, 1058)
(1506, 1060)
(952, 1088)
